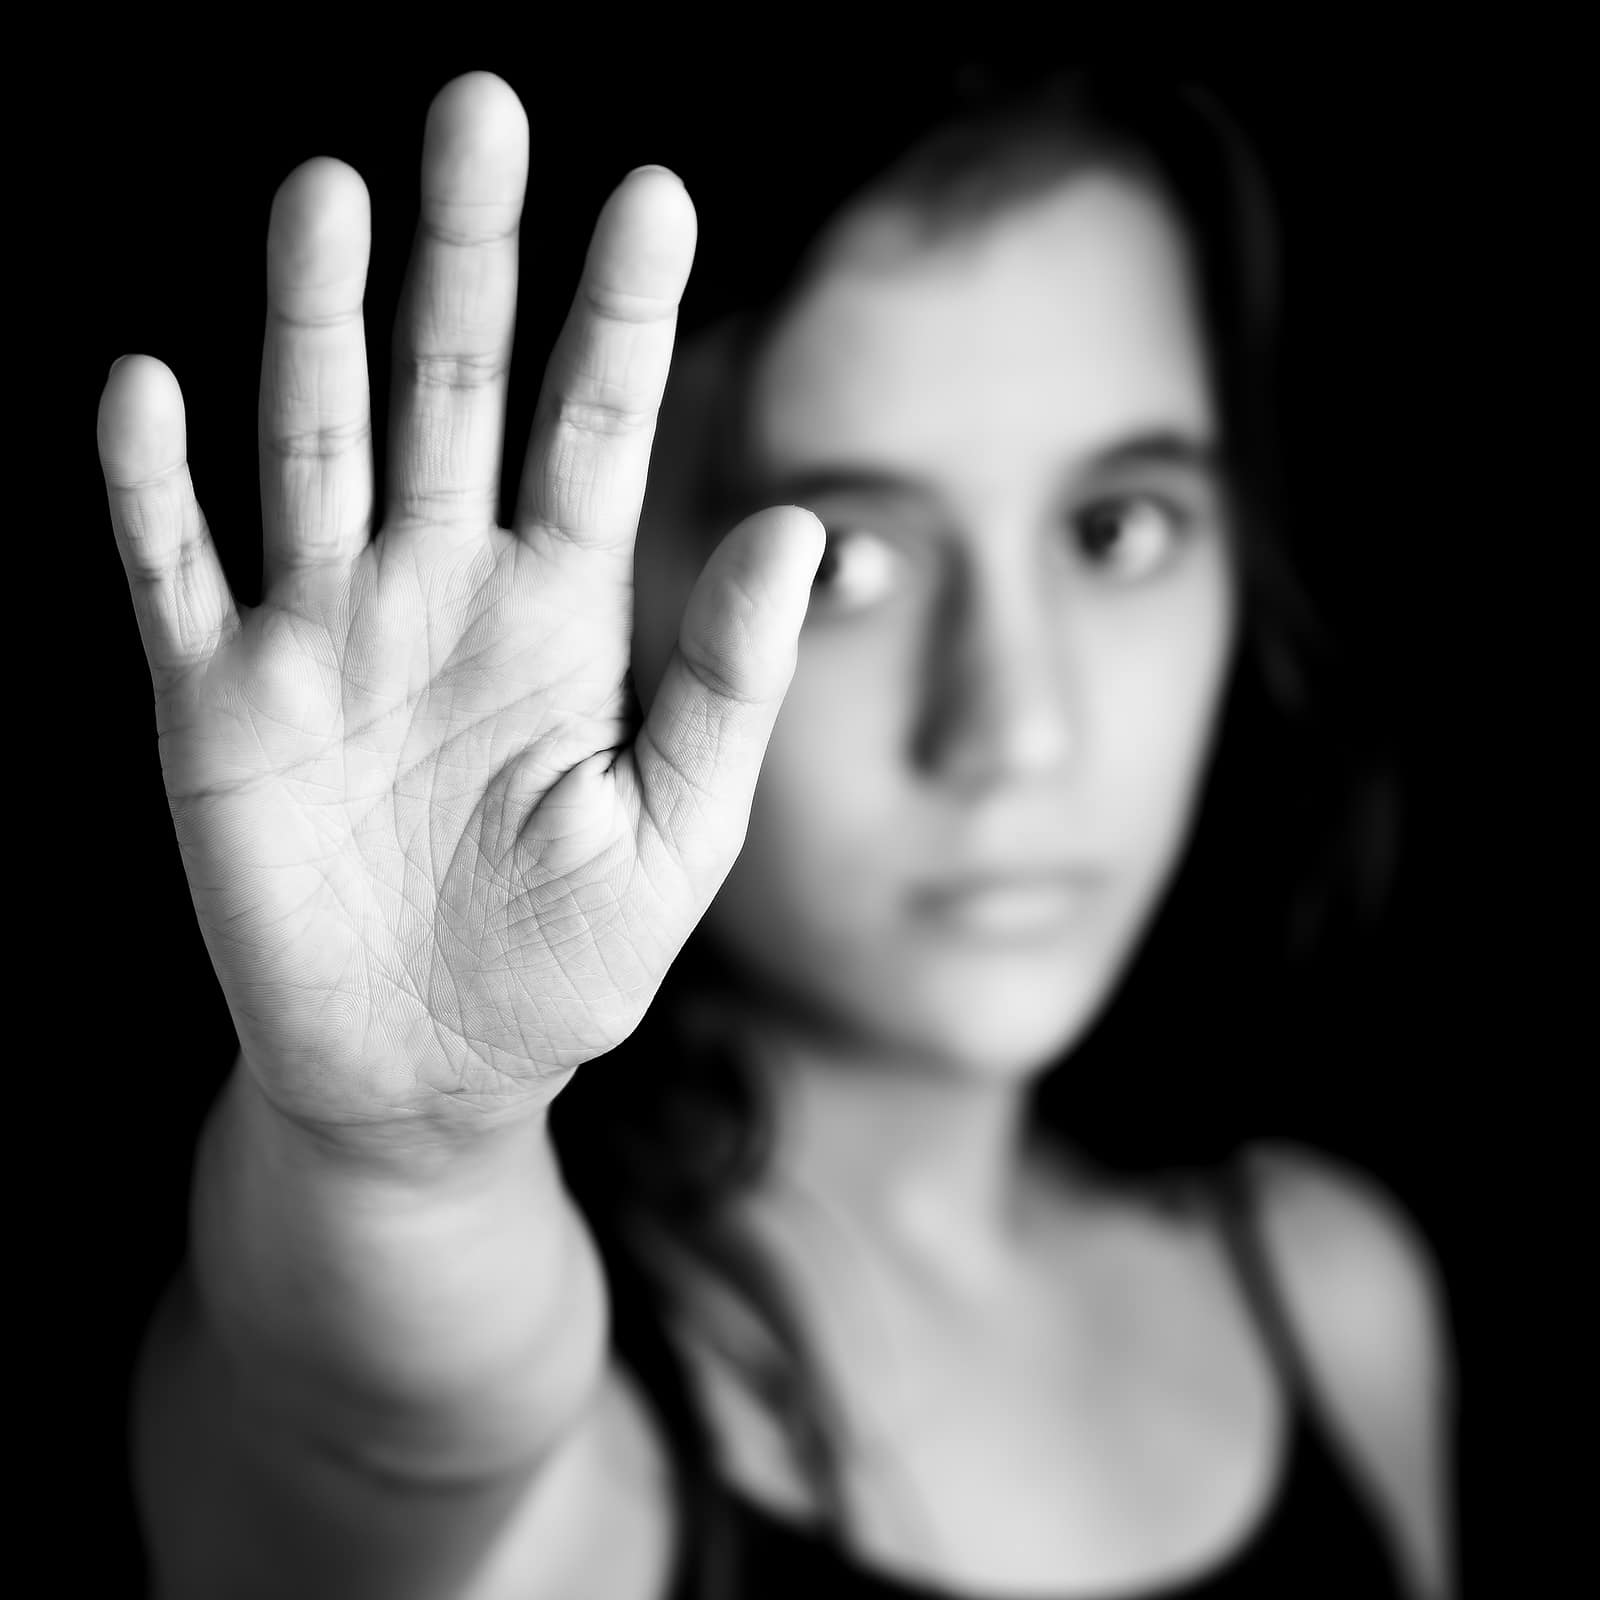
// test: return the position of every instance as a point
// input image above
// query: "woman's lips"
(1008, 905)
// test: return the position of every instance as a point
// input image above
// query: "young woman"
(845, 1271)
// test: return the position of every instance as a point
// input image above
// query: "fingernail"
(115, 364)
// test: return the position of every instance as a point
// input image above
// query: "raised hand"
(433, 873)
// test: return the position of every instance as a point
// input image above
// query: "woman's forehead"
(1052, 328)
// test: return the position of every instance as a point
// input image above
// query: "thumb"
(700, 750)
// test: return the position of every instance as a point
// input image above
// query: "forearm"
(437, 1320)
(234, 1503)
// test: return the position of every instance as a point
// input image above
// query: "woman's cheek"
(1159, 723)
(823, 820)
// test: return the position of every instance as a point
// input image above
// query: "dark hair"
(1293, 840)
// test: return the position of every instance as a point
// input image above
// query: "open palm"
(434, 866)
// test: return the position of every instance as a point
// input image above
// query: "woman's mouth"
(1008, 905)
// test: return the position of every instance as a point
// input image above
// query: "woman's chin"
(943, 1011)
(988, 1032)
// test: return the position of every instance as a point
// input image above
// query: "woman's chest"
(1037, 1452)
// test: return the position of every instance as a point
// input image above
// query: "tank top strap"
(1323, 1508)
(1236, 1195)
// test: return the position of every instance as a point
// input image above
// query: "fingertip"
(805, 525)
(140, 383)
(795, 538)
(654, 172)
(140, 427)
(324, 170)
(475, 138)
(644, 242)
(320, 226)
(321, 186)
(771, 558)
(662, 192)
(482, 94)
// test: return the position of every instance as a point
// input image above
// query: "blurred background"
(1379, 162)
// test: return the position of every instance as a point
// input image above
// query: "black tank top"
(1315, 1536)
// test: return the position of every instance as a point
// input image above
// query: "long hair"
(1292, 841)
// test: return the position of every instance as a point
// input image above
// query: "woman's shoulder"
(1345, 1247)
(1365, 1298)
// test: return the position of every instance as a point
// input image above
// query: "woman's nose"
(1000, 706)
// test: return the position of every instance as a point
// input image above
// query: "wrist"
(443, 1299)
(430, 1156)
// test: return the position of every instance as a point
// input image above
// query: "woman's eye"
(1129, 538)
(858, 569)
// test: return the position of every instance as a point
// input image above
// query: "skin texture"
(432, 874)
(432, 871)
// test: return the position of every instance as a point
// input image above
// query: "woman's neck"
(920, 1162)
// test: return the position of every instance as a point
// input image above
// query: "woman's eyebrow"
(1165, 447)
(1156, 447)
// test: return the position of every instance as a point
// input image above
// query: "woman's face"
(985, 770)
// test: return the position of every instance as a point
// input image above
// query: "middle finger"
(453, 339)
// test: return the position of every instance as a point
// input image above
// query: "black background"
(1386, 169)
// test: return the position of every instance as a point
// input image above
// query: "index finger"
(584, 477)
